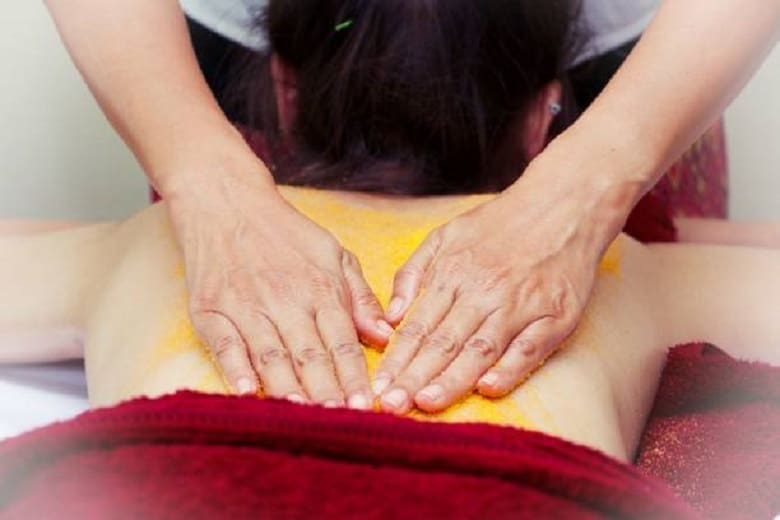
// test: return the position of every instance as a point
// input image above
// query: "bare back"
(596, 390)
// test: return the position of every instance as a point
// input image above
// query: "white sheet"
(37, 395)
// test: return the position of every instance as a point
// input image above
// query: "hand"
(275, 295)
(499, 288)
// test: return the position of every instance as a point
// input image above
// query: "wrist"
(218, 167)
(606, 172)
(596, 205)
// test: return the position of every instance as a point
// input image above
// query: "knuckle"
(442, 342)
(493, 279)
(205, 301)
(322, 282)
(443, 284)
(311, 356)
(483, 347)
(223, 345)
(405, 273)
(346, 349)
(366, 299)
(451, 267)
(413, 331)
(558, 304)
(272, 355)
(527, 347)
(277, 282)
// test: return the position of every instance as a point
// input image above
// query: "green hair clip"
(346, 24)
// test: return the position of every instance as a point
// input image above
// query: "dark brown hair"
(410, 96)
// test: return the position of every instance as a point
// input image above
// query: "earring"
(555, 108)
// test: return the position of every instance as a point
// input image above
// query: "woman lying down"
(123, 284)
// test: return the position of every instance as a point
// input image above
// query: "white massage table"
(37, 395)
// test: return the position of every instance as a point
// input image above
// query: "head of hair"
(411, 96)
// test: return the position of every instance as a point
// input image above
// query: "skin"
(579, 191)
(569, 204)
(122, 285)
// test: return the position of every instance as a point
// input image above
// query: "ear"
(286, 93)
(538, 119)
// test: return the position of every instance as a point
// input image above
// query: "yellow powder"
(382, 241)
(610, 263)
(475, 408)
(178, 271)
(179, 342)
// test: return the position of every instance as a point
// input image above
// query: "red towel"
(714, 433)
(651, 221)
(197, 456)
(713, 436)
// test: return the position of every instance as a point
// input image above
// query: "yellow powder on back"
(382, 241)
(610, 262)
(179, 342)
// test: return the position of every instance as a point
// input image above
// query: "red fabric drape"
(713, 436)
(198, 456)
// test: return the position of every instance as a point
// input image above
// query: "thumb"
(409, 277)
(366, 311)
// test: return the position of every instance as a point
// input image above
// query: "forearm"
(137, 59)
(693, 59)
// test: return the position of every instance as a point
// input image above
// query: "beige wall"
(753, 134)
(59, 157)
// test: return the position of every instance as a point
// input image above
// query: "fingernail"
(384, 328)
(296, 398)
(358, 402)
(331, 403)
(381, 381)
(395, 398)
(245, 386)
(432, 393)
(395, 307)
(489, 379)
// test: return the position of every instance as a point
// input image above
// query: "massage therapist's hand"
(497, 290)
(274, 294)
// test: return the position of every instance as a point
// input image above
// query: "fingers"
(272, 361)
(480, 352)
(409, 277)
(525, 353)
(425, 318)
(229, 349)
(436, 352)
(312, 363)
(366, 312)
(341, 341)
